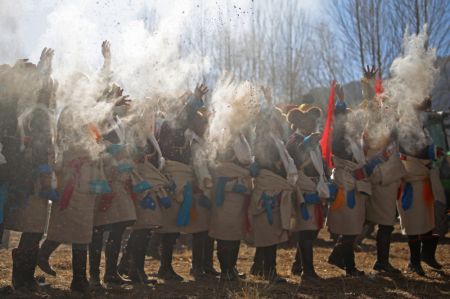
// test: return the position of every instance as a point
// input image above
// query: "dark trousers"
(422, 246)
(112, 249)
(384, 243)
(133, 257)
(266, 259)
(168, 241)
(25, 259)
(202, 251)
(304, 257)
(343, 252)
(227, 253)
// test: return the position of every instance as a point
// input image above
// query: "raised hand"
(45, 61)
(106, 50)
(123, 101)
(200, 91)
(370, 72)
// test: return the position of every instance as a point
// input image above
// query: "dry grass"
(334, 284)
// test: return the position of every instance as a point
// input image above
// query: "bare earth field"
(334, 285)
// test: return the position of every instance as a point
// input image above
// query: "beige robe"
(74, 224)
(30, 218)
(342, 220)
(419, 218)
(228, 220)
(122, 208)
(147, 218)
(386, 179)
(264, 233)
(180, 173)
(305, 185)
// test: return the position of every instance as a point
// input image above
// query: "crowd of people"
(288, 173)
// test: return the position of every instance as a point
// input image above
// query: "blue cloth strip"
(185, 208)
(3, 197)
(333, 191)
(351, 199)
(239, 188)
(268, 202)
(44, 169)
(311, 198)
(99, 187)
(304, 211)
(124, 167)
(220, 190)
(407, 197)
(141, 187)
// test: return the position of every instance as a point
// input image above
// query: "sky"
(25, 25)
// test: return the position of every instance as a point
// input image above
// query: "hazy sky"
(25, 24)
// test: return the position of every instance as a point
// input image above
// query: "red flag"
(379, 85)
(325, 142)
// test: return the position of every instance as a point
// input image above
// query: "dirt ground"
(436, 284)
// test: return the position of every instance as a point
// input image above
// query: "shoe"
(336, 262)
(240, 275)
(388, 268)
(94, 280)
(79, 285)
(296, 271)
(210, 271)
(44, 265)
(115, 279)
(310, 276)
(169, 274)
(354, 273)
(229, 276)
(432, 262)
(197, 273)
(256, 270)
(416, 269)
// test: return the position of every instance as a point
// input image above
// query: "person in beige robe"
(229, 217)
(416, 206)
(347, 213)
(148, 164)
(272, 198)
(314, 191)
(27, 164)
(176, 148)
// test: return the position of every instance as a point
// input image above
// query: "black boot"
(18, 271)
(208, 257)
(383, 247)
(112, 251)
(198, 240)
(79, 279)
(307, 255)
(125, 261)
(154, 246)
(297, 267)
(166, 271)
(95, 256)
(270, 265)
(47, 248)
(414, 259)
(336, 257)
(257, 268)
(429, 246)
(349, 256)
(137, 262)
(30, 268)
